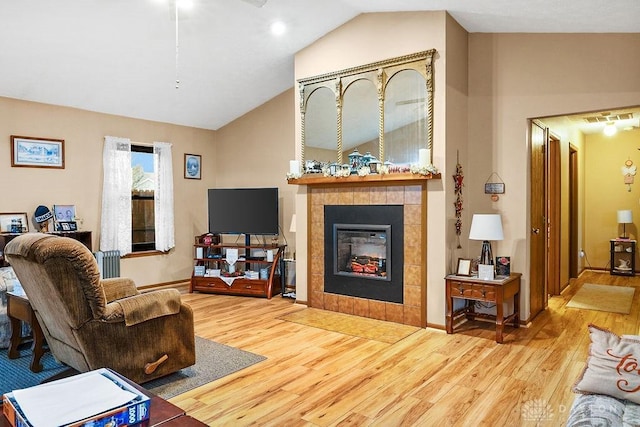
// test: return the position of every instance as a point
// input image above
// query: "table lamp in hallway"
(625, 217)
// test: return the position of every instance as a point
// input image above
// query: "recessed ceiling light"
(184, 4)
(610, 129)
(278, 28)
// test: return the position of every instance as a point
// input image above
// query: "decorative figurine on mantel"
(42, 217)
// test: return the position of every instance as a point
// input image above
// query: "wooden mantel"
(372, 179)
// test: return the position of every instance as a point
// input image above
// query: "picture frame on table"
(486, 272)
(14, 222)
(64, 213)
(30, 152)
(503, 266)
(464, 267)
(192, 166)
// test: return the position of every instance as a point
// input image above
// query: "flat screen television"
(243, 211)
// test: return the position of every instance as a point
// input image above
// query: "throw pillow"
(613, 366)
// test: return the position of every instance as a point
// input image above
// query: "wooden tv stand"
(211, 258)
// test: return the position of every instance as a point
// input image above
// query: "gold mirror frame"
(379, 73)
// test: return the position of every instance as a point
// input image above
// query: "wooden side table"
(19, 309)
(495, 291)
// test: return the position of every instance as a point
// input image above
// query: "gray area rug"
(213, 361)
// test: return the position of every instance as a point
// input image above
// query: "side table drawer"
(473, 291)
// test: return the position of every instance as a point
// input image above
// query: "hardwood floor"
(314, 377)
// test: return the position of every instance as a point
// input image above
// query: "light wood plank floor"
(314, 377)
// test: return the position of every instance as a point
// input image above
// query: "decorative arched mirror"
(322, 126)
(384, 109)
(359, 132)
(405, 117)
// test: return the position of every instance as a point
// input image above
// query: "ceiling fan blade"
(256, 3)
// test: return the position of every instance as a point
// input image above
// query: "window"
(152, 223)
(143, 184)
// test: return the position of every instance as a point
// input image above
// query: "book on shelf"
(99, 398)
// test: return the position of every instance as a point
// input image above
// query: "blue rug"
(213, 361)
(15, 373)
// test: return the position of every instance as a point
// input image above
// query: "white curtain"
(115, 228)
(163, 196)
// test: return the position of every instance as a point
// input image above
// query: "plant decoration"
(294, 175)
(457, 180)
(424, 170)
(364, 171)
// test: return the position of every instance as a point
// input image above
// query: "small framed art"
(64, 213)
(486, 272)
(503, 266)
(32, 152)
(192, 166)
(464, 267)
(13, 223)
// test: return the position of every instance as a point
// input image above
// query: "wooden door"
(574, 250)
(537, 262)
(553, 203)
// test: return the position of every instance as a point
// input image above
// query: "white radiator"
(108, 263)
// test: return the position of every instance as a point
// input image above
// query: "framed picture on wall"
(192, 166)
(32, 152)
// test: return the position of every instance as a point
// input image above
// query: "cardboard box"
(133, 412)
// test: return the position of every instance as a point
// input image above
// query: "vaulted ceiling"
(124, 56)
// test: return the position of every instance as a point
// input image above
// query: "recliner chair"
(91, 323)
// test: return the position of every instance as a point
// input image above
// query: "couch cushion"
(613, 366)
(600, 410)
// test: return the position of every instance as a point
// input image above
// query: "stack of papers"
(91, 396)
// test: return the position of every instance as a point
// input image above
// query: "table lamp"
(625, 217)
(486, 227)
(292, 229)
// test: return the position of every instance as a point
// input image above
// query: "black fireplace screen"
(361, 259)
(362, 250)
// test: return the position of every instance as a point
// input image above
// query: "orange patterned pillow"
(613, 366)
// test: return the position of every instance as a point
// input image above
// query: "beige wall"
(513, 77)
(80, 182)
(373, 37)
(255, 150)
(606, 192)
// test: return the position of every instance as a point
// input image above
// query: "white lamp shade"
(292, 227)
(486, 227)
(625, 217)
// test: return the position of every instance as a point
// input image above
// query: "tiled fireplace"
(408, 306)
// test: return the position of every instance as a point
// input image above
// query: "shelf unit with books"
(250, 275)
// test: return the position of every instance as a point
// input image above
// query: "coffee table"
(161, 412)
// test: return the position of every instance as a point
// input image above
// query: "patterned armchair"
(91, 323)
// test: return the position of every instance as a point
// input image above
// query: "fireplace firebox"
(364, 251)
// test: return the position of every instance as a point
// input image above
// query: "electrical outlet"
(581, 253)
